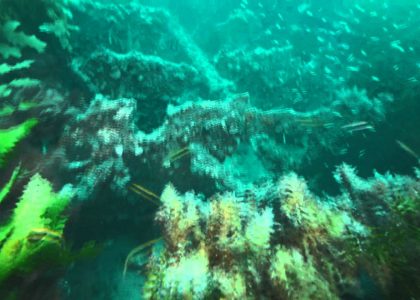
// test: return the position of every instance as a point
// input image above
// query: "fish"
(412, 80)
(320, 39)
(145, 193)
(361, 128)
(329, 125)
(408, 150)
(303, 7)
(396, 45)
(359, 8)
(358, 126)
(327, 70)
(180, 153)
(46, 234)
(311, 122)
(354, 124)
(343, 151)
(138, 250)
(353, 68)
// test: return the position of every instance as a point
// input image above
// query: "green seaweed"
(6, 189)
(34, 232)
(11, 136)
(394, 245)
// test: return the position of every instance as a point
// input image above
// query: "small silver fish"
(353, 68)
(361, 128)
(354, 124)
(408, 150)
(343, 151)
(396, 45)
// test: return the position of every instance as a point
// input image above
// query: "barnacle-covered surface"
(254, 149)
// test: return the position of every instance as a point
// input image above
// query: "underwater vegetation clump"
(35, 230)
(294, 245)
(236, 248)
(390, 207)
(11, 136)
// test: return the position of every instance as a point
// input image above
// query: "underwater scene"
(209, 149)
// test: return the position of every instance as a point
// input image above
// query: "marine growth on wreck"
(205, 149)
